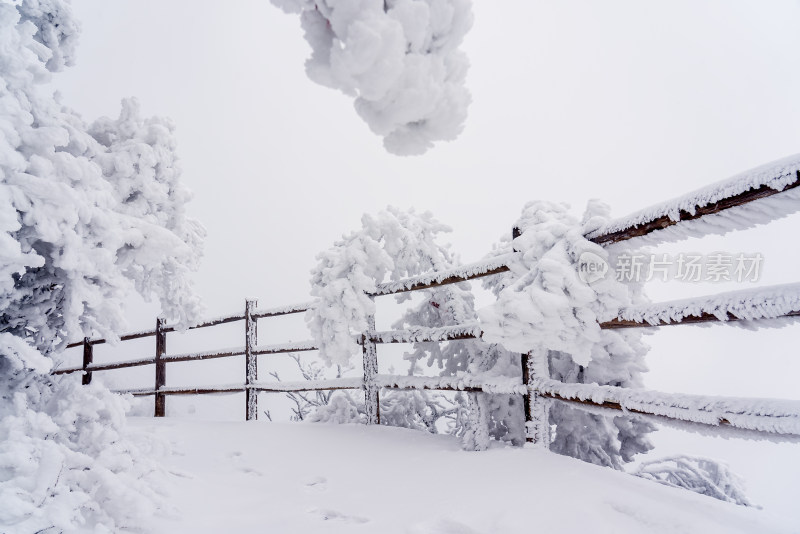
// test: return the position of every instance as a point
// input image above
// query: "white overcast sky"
(629, 101)
(632, 102)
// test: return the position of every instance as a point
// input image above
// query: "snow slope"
(308, 478)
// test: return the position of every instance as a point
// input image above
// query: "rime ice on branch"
(398, 58)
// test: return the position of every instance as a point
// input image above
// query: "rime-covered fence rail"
(774, 185)
(250, 350)
(751, 198)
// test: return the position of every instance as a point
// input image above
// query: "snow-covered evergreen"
(486, 415)
(88, 214)
(545, 305)
(393, 245)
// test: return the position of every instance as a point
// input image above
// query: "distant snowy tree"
(398, 58)
(484, 415)
(88, 214)
(700, 475)
(392, 245)
(544, 304)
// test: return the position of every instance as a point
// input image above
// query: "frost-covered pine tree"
(88, 214)
(544, 305)
(392, 245)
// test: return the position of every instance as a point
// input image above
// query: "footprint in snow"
(236, 457)
(316, 484)
(333, 515)
(251, 471)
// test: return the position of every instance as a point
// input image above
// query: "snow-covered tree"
(544, 304)
(392, 245)
(88, 214)
(482, 415)
(398, 58)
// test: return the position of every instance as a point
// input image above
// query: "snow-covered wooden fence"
(740, 202)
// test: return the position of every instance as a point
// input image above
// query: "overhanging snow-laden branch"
(400, 60)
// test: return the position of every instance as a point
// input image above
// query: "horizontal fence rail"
(772, 303)
(781, 418)
(258, 314)
(772, 180)
(632, 230)
(777, 420)
(463, 273)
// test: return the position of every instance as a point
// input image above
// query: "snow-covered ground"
(306, 478)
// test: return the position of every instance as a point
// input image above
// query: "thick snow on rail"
(758, 303)
(776, 175)
(467, 271)
(768, 415)
(417, 333)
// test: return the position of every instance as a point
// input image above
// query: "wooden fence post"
(88, 358)
(372, 405)
(161, 367)
(251, 361)
(537, 408)
(533, 405)
(526, 397)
